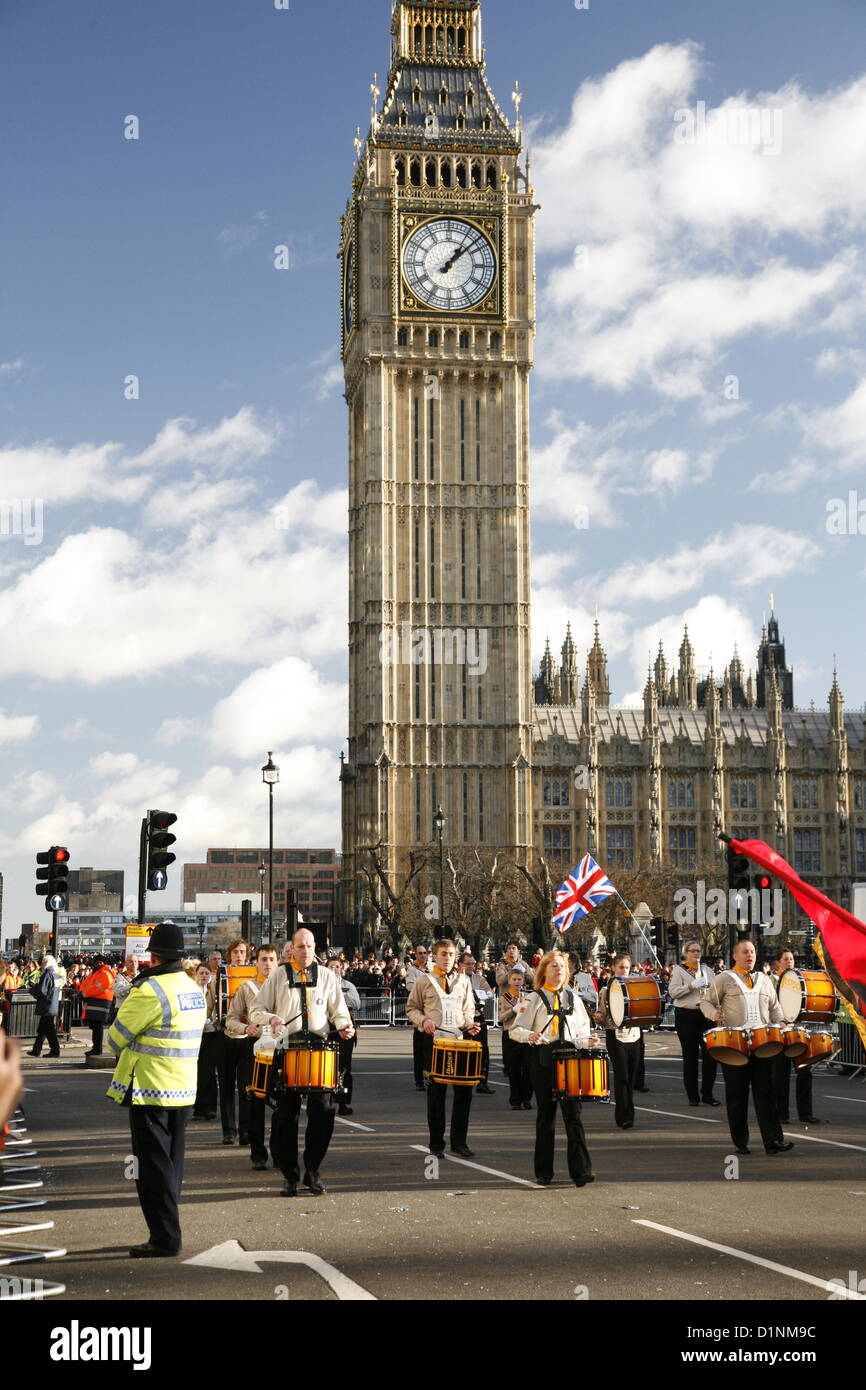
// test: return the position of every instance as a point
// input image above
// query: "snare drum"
(456, 1062)
(807, 996)
(581, 1074)
(796, 1041)
(635, 1001)
(728, 1045)
(262, 1083)
(821, 1045)
(310, 1064)
(766, 1041)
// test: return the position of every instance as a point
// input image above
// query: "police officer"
(156, 1038)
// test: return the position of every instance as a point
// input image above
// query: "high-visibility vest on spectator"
(156, 1038)
(99, 985)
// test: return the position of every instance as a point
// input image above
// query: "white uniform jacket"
(533, 1016)
(326, 1007)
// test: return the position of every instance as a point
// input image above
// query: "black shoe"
(629, 1124)
(91, 1053)
(714, 1103)
(54, 1054)
(31, 1053)
(290, 1189)
(152, 1252)
(315, 1184)
(644, 1090)
(743, 1150)
(210, 1117)
(812, 1120)
(694, 1102)
(527, 1105)
(544, 1182)
(260, 1164)
(461, 1151)
(485, 1090)
(244, 1141)
(229, 1138)
(584, 1182)
(419, 1086)
(780, 1149)
(437, 1150)
(345, 1110)
(515, 1105)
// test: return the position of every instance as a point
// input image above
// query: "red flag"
(843, 935)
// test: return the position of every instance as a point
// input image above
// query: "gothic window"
(480, 703)
(461, 168)
(400, 165)
(416, 94)
(433, 690)
(478, 440)
(750, 832)
(807, 851)
(495, 342)
(460, 124)
(452, 48)
(478, 560)
(431, 437)
(476, 174)
(481, 806)
(470, 97)
(487, 125)
(440, 39)
(383, 804)
(415, 173)
(464, 688)
(419, 48)
(805, 794)
(491, 168)
(681, 794)
(618, 793)
(682, 848)
(744, 794)
(428, 40)
(416, 438)
(557, 841)
(417, 563)
(620, 847)
(462, 433)
(466, 805)
(430, 173)
(464, 340)
(443, 95)
(418, 698)
(461, 42)
(446, 174)
(402, 337)
(463, 562)
(433, 339)
(403, 121)
(859, 852)
(860, 796)
(417, 807)
(432, 561)
(556, 791)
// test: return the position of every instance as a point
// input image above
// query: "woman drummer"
(555, 1015)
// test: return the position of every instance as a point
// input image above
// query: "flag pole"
(639, 927)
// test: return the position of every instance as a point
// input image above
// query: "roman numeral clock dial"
(449, 264)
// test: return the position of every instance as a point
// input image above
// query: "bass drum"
(807, 996)
(635, 1001)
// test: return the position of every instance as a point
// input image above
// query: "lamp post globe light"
(270, 777)
(439, 825)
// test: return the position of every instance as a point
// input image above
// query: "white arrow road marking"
(232, 1255)
(825, 1284)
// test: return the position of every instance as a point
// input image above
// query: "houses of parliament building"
(438, 319)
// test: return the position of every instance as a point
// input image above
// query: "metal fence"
(386, 1010)
(851, 1052)
(21, 1020)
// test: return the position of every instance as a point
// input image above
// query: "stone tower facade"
(438, 310)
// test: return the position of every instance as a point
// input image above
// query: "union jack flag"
(583, 890)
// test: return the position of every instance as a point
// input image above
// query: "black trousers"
(757, 1075)
(347, 1047)
(159, 1144)
(46, 1031)
(782, 1088)
(418, 1056)
(206, 1093)
(436, 1094)
(256, 1109)
(485, 1048)
(640, 1074)
(515, 1060)
(624, 1059)
(284, 1132)
(234, 1103)
(579, 1163)
(691, 1027)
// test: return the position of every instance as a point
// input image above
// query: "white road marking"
(494, 1172)
(824, 1284)
(855, 1100)
(802, 1138)
(353, 1124)
(701, 1119)
(232, 1255)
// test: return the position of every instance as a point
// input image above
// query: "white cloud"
(841, 428)
(286, 703)
(716, 627)
(788, 480)
(17, 728)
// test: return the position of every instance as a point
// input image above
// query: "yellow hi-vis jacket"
(156, 1039)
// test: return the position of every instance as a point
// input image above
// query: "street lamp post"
(270, 777)
(262, 871)
(439, 823)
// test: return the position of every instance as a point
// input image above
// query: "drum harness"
(559, 1013)
(278, 1082)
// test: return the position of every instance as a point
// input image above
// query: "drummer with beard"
(279, 1006)
(554, 1015)
(441, 1004)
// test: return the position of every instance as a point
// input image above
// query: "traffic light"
(158, 856)
(52, 876)
(739, 875)
(658, 934)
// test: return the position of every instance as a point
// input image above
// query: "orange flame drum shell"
(728, 1045)
(581, 1075)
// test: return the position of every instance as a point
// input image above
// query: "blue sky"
(166, 632)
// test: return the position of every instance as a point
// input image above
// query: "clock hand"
(449, 265)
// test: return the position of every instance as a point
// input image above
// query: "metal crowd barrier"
(21, 1020)
(388, 1010)
(851, 1052)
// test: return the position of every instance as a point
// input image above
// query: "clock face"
(349, 290)
(449, 265)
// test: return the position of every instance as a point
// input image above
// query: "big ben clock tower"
(438, 320)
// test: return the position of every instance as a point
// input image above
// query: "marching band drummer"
(442, 1004)
(623, 1046)
(554, 1015)
(279, 1005)
(782, 1065)
(739, 998)
(241, 1033)
(515, 1055)
(688, 987)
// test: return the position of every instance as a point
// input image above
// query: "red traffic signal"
(60, 856)
(53, 878)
